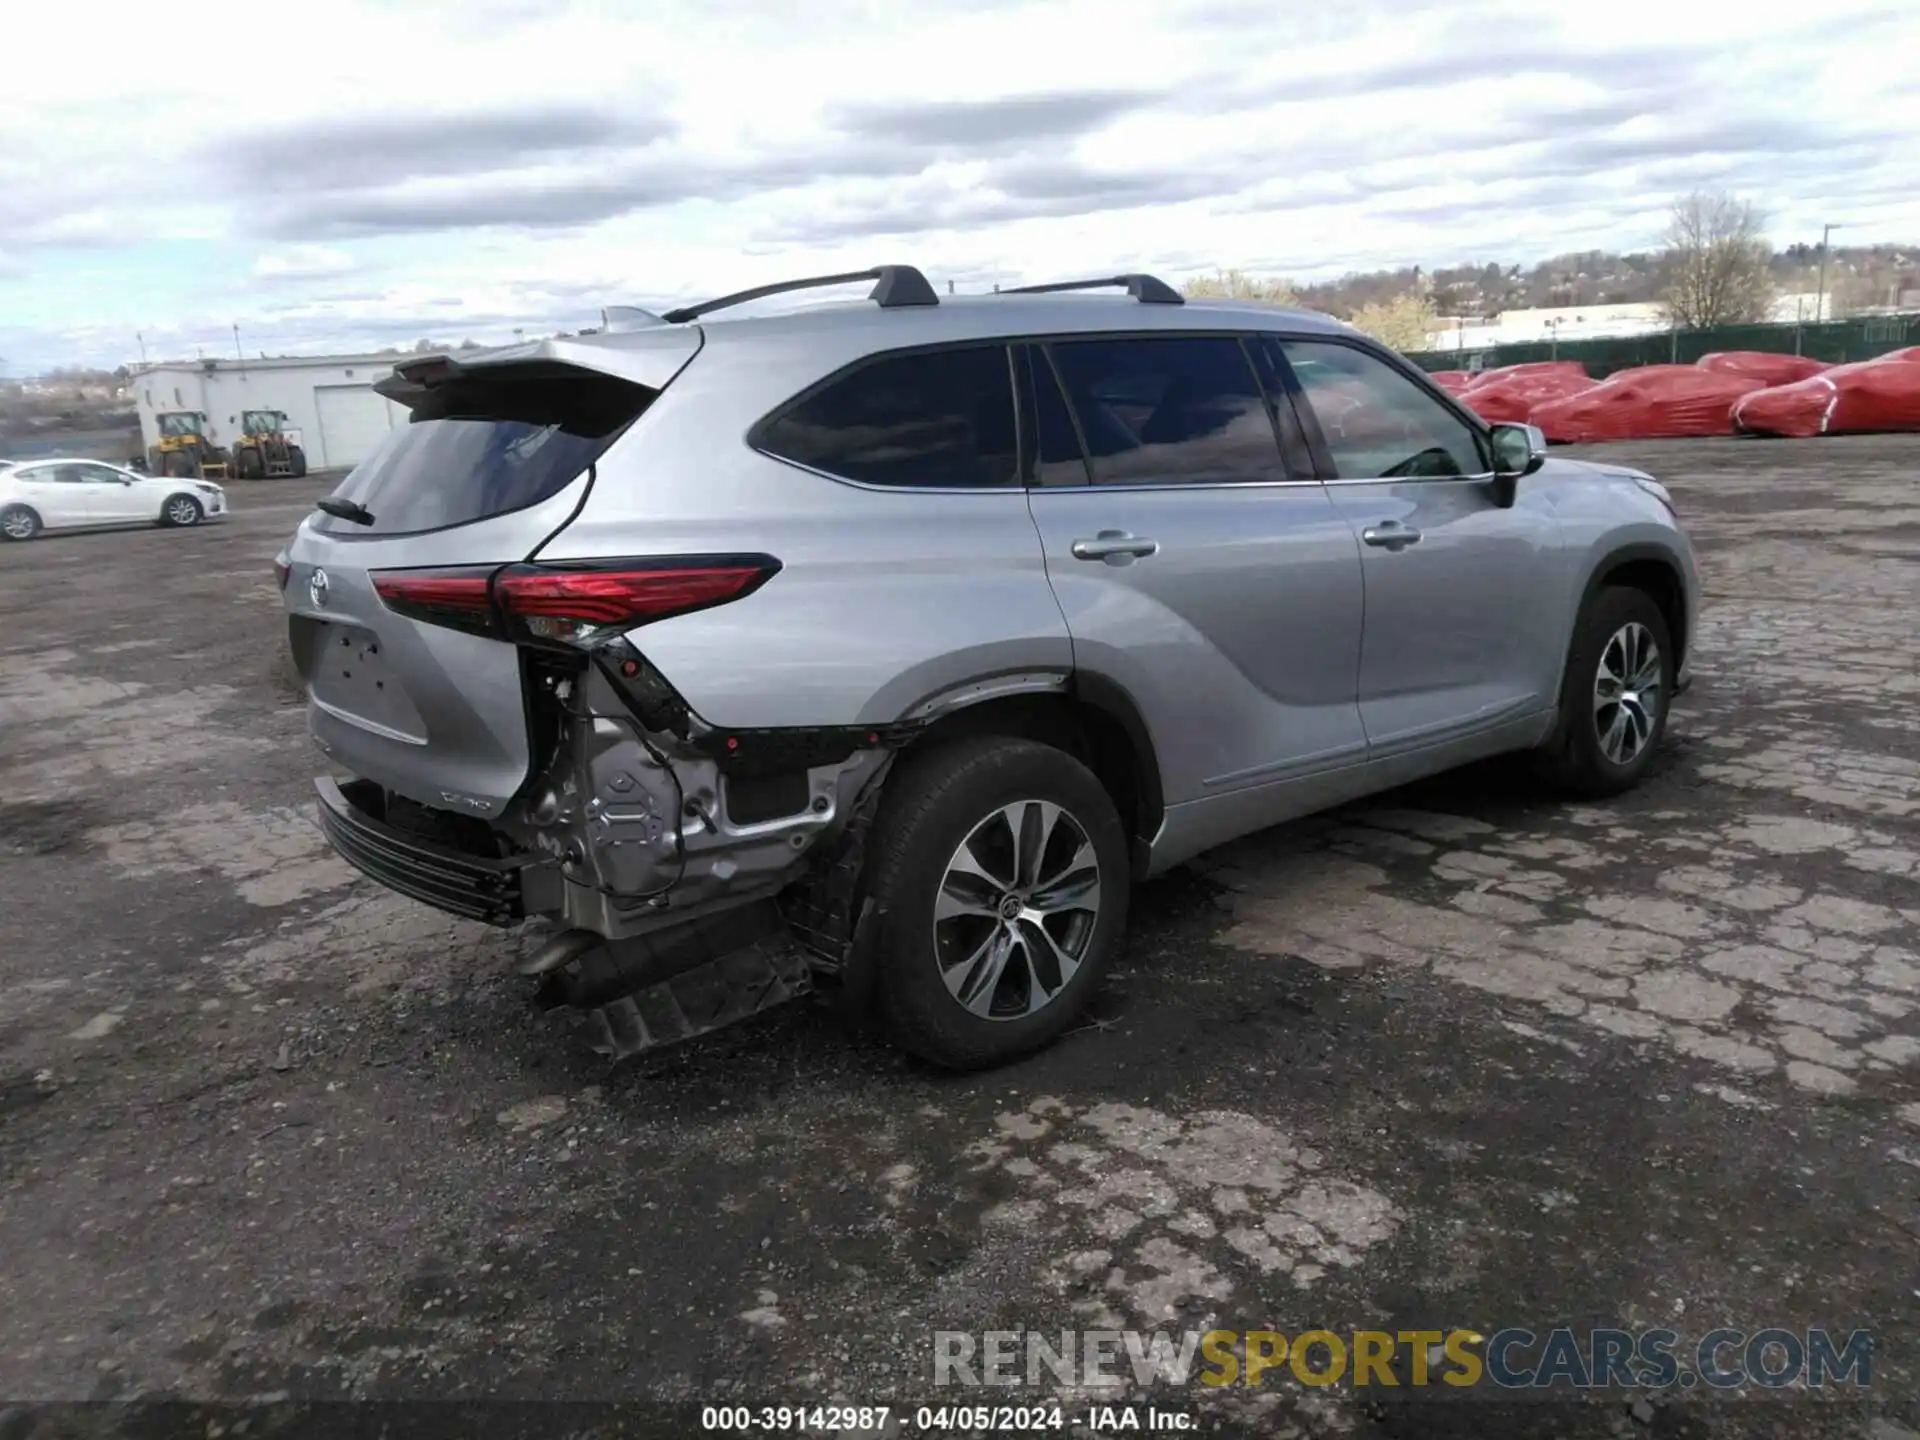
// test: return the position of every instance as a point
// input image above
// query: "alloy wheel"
(182, 511)
(1627, 693)
(1016, 910)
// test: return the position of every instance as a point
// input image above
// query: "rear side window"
(938, 419)
(477, 449)
(1172, 411)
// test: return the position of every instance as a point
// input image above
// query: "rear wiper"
(346, 510)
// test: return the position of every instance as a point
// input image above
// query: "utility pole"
(143, 346)
(1820, 296)
(238, 357)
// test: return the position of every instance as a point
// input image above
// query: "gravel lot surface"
(1459, 1057)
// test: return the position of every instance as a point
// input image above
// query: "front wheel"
(297, 461)
(1615, 698)
(1000, 876)
(180, 510)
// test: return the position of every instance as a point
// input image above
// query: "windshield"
(181, 424)
(476, 450)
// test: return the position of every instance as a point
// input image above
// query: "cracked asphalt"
(1462, 1056)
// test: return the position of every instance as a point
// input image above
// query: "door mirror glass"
(1518, 449)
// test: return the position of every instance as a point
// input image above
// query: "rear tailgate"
(497, 456)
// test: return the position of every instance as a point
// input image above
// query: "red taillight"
(571, 603)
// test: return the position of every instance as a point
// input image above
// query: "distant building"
(1562, 322)
(328, 399)
(1598, 322)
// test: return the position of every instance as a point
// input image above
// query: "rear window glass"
(1171, 410)
(476, 450)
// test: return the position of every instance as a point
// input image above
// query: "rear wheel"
(1000, 876)
(249, 464)
(17, 522)
(180, 510)
(1615, 698)
(178, 463)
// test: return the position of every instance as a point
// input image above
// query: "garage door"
(352, 421)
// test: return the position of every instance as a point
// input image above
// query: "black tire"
(1576, 759)
(249, 464)
(180, 510)
(297, 458)
(19, 522)
(957, 794)
(178, 464)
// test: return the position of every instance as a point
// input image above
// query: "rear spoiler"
(649, 357)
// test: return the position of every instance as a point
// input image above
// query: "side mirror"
(1518, 451)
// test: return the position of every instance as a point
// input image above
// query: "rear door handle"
(1390, 535)
(1116, 547)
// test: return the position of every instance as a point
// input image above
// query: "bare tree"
(1238, 285)
(1717, 262)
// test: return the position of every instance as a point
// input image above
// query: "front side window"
(1169, 411)
(1378, 424)
(931, 419)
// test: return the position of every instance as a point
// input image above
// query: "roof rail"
(896, 287)
(1147, 289)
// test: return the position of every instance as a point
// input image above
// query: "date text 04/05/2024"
(943, 1419)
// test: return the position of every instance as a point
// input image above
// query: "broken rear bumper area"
(424, 867)
(629, 995)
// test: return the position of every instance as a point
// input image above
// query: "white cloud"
(567, 156)
(302, 262)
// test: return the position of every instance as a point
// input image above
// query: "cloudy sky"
(400, 169)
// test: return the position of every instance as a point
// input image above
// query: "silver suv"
(877, 647)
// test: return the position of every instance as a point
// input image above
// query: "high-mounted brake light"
(571, 604)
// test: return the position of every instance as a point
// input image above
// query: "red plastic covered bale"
(1452, 381)
(1504, 373)
(1649, 402)
(1762, 365)
(1512, 400)
(1908, 356)
(1881, 394)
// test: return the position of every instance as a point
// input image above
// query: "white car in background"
(74, 494)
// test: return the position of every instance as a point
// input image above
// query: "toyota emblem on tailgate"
(317, 589)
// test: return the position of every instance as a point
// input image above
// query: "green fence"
(1836, 342)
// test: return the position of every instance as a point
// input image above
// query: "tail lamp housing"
(570, 605)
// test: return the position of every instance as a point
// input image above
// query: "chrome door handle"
(1390, 535)
(1116, 547)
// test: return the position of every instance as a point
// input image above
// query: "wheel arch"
(1652, 570)
(1089, 717)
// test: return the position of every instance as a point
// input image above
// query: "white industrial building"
(328, 399)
